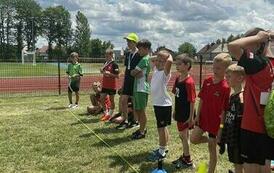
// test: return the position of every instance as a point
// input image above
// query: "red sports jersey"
(110, 82)
(253, 119)
(215, 99)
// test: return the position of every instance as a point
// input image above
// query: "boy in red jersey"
(110, 72)
(251, 53)
(214, 98)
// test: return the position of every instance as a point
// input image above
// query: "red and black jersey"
(110, 82)
(185, 94)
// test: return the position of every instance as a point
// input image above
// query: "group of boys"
(221, 108)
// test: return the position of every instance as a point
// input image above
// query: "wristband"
(221, 126)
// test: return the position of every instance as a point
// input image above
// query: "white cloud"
(170, 22)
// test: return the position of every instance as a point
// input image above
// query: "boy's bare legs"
(102, 101)
(197, 136)
(124, 105)
(163, 140)
(238, 168)
(112, 106)
(267, 167)
(77, 97)
(163, 136)
(120, 104)
(93, 100)
(142, 120)
(212, 148)
(70, 97)
(184, 136)
(253, 168)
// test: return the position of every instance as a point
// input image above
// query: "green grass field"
(43, 69)
(39, 134)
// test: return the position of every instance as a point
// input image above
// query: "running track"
(34, 84)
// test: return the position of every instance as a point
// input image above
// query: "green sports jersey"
(141, 84)
(74, 70)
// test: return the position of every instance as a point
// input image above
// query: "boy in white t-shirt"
(161, 101)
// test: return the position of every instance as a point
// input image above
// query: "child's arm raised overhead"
(168, 64)
(236, 47)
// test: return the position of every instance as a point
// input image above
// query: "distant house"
(43, 51)
(209, 51)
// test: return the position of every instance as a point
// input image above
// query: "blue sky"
(169, 22)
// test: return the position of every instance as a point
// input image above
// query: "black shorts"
(163, 115)
(270, 148)
(74, 86)
(254, 147)
(108, 91)
(210, 135)
(234, 154)
(128, 86)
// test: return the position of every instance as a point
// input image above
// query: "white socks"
(162, 150)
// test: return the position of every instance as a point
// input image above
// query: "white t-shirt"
(159, 93)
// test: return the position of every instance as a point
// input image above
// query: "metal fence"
(49, 77)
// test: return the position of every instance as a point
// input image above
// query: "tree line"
(23, 21)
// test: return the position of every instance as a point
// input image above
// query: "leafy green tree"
(188, 48)
(56, 27)
(82, 35)
(7, 38)
(98, 47)
(230, 38)
(218, 41)
(28, 23)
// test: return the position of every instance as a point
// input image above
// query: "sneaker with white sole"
(70, 105)
(75, 106)
(155, 155)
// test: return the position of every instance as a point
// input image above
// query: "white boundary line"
(102, 140)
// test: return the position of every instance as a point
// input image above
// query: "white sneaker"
(70, 105)
(75, 106)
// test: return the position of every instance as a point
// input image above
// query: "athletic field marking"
(102, 140)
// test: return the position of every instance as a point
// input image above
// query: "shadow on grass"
(56, 108)
(85, 121)
(132, 159)
(169, 167)
(112, 142)
(84, 114)
(144, 166)
(107, 130)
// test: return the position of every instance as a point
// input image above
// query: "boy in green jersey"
(74, 72)
(141, 87)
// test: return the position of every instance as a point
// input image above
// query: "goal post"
(28, 56)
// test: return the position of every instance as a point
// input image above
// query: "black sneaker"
(156, 155)
(138, 131)
(133, 124)
(222, 148)
(114, 116)
(122, 126)
(138, 135)
(181, 163)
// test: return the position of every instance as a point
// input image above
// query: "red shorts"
(181, 126)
